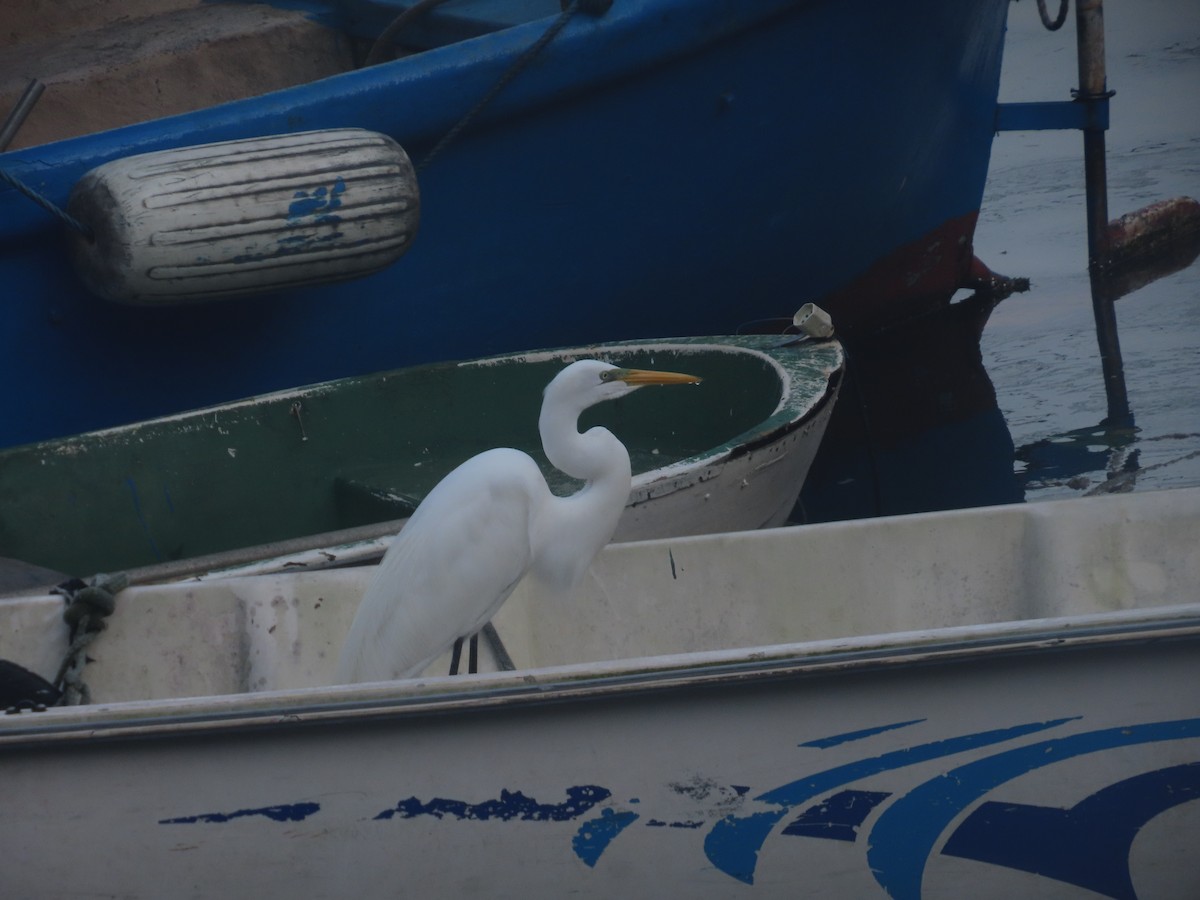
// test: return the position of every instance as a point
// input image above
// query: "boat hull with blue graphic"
(998, 702)
(664, 167)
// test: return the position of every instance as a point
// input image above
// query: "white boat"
(996, 703)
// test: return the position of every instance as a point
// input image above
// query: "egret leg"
(473, 655)
(503, 660)
(455, 656)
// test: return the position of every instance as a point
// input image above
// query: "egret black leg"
(455, 656)
(503, 660)
(473, 655)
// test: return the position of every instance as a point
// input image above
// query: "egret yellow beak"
(639, 377)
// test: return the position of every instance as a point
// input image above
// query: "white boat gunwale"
(387, 702)
(794, 409)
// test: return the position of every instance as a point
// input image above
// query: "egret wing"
(450, 568)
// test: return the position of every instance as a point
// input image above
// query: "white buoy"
(813, 321)
(243, 217)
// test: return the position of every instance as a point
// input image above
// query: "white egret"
(488, 523)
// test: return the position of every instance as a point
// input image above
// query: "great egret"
(488, 523)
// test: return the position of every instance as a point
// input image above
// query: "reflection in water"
(1141, 247)
(916, 427)
(1166, 240)
(1069, 459)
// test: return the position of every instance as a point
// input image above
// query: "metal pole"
(17, 117)
(1093, 91)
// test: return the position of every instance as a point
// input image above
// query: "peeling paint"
(510, 805)
(288, 812)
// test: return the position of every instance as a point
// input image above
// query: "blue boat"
(659, 167)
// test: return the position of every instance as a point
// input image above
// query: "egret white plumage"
(488, 523)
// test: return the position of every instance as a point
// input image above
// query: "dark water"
(991, 405)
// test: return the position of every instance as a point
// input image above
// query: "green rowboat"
(355, 455)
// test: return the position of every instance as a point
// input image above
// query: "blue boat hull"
(668, 168)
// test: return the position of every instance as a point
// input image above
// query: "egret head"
(590, 381)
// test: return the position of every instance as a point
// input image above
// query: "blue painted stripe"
(1087, 845)
(834, 740)
(733, 844)
(904, 836)
(837, 818)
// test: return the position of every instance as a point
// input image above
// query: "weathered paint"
(1087, 845)
(904, 819)
(290, 812)
(222, 220)
(509, 805)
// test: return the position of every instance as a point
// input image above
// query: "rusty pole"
(1093, 91)
(20, 112)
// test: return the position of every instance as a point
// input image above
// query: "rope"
(88, 604)
(592, 7)
(1044, 13)
(61, 214)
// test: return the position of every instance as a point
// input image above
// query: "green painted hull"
(364, 450)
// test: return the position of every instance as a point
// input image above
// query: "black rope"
(1045, 14)
(61, 214)
(593, 7)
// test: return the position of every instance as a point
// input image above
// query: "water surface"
(1039, 348)
(987, 403)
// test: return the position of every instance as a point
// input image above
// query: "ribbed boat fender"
(244, 217)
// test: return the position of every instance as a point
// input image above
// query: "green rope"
(88, 605)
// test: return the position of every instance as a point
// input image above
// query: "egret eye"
(607, 374)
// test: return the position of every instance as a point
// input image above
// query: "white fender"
(243, 217)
